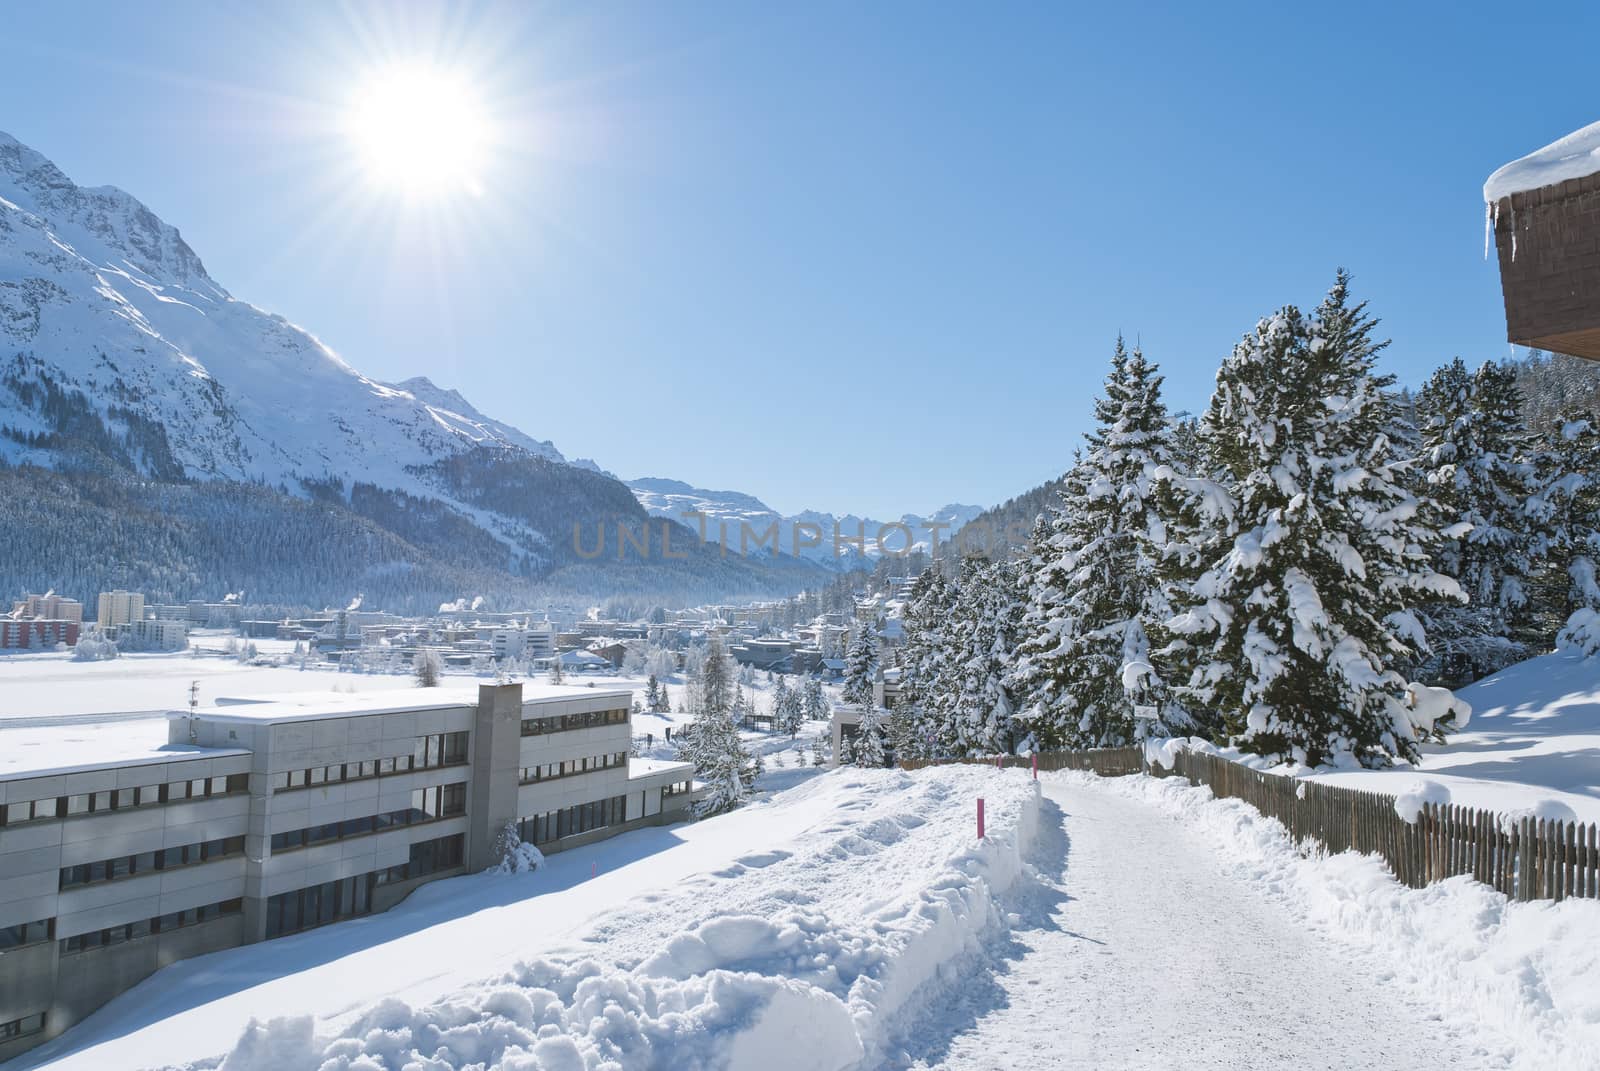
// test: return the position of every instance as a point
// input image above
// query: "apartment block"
(119, 607)
(49, 605)
(40, 634)
(255, 819)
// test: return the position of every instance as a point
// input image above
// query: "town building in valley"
(122, 852)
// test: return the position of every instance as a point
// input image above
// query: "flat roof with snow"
(47, 750)
(317, 705)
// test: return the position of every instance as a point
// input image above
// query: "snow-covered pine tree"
(860, 659)
(1083, 674)
(1303, 607)
(814, 704)
(1476, 459)
(819, 751)
(427, 667)
(869, 749)
(925, 680)
(978, 647)
(1567, 510)
(716, 677)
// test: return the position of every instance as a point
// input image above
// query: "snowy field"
(802, 931)
(1532, 746)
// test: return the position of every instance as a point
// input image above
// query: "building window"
(429, 752)
(121, 799)
(552, 771)
(567, 722)
(26, 933)
(133, 931)
(427, 805)
(21, 1028)
(318, 905)
(571, 821)
(127, 866)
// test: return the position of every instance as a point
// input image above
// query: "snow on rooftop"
(328, 704)
(45, 750)
(638, 767)
(1575, 156)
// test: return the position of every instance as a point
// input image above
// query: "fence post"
(980, 817)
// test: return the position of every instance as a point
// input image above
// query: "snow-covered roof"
(645, 767)
(1575, 156)
(46, 750)
(314, 705)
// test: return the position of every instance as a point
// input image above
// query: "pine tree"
(868, 751)
(924, 680)
(974, 714)
(1083, 670)
(558, 674)
(652, 694)
(859, 662)
(1300, 614)
(1475, 455)
(819, 751)
(427, 668)
(814, 704)
(715, 678)
(1567, 512)
(712, 743)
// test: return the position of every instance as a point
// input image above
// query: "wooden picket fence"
(1524, 858)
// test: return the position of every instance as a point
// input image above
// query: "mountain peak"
(117, 225)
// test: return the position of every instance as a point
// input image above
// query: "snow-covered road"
(1137, 948)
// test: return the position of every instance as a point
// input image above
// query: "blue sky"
(843, 256)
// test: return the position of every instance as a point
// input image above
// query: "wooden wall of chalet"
(1551, 281)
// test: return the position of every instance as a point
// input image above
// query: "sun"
(420, 131)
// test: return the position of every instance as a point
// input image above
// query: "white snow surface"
(1529, 748)
(1168, 930)
(1575, 156)
(1258, 931)
(800, 932)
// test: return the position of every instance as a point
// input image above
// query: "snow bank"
(881, 910)
(1574, 156)
(1525, 970)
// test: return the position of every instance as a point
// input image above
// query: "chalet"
(1544, 210)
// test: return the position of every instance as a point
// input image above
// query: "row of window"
(26, 933)
(550, 771)
(132, 931)
(127, 866)
(435, 750)
(565, 722)
(677, 788)
(21, 1028)
(427, 805)
(318, 905)
(571, 821)
(120, 799)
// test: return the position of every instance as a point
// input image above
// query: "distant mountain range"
(838, 540)
(147, 416)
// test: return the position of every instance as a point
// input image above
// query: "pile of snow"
(1524, 969)
(807, 930)
(1409, 803)
(1575, 156)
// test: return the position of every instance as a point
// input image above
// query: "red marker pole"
(980, 817)
(999, 762)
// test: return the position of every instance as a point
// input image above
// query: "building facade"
(119, 607)
(258, 819)
(36, 633)
(49, 605)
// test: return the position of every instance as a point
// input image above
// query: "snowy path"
(1137, 949)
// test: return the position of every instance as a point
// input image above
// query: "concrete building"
(36, 634)
(119, 608)
(151, 634)
(49, 606)
(255, 819)
(520, 642)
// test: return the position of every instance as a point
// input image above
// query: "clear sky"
(844, 256)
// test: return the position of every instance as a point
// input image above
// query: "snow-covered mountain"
(137, 380)
(100, 298)
(725, 511)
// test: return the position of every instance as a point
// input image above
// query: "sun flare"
(420, 130)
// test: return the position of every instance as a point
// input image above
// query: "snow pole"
(1036, 766)
(999, 762)
(980, 817)
(594, 868)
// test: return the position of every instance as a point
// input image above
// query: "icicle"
(1488, 227)
(1513, 232)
